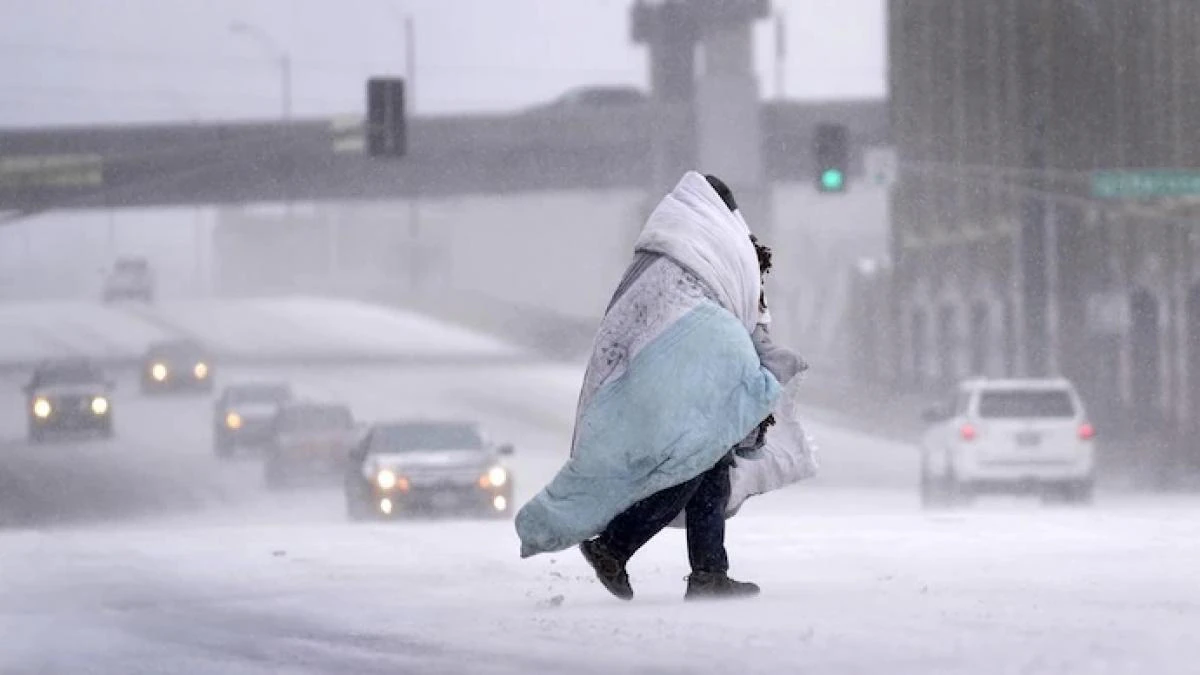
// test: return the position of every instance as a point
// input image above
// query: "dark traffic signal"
(831, 151)
(386, 130)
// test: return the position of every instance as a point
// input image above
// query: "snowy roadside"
(862, 588)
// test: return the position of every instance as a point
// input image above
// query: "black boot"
(717, 585)
(609, 568)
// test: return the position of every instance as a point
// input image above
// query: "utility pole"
(414, 201)
(780, 55)
(285, 73)
(1035, 238)
(199, 245)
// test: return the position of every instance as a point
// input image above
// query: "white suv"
(1008, 436)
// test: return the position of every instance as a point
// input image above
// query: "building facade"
(1007, 259)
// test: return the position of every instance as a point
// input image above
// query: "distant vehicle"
(129, 279)
(244, 415)
(603, 97)
(309, 440)
(1024, 435)
(425, 467)
(68, 395)
(176, 365)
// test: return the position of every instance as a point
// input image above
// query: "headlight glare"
(386, 479)
(233, 420)
(159, 371)
(42, 408)
(497, 476)
(200, 370)
(99, 405)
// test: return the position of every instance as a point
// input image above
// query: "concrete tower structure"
(702, 56)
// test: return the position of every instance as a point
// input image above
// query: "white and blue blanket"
(674, 380)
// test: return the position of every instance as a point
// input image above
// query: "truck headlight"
(159, 371)
(42, 408)
(99, 405)
(497, 476)
(200, 370)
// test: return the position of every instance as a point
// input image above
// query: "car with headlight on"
(176, 365)
(427, 467)
(244, 415)
(68, 395)
(310, 440)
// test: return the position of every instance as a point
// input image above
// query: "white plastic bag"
(788, 455)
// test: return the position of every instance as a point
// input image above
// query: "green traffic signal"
(832, 180)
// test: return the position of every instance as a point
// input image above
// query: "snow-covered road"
(856, 578)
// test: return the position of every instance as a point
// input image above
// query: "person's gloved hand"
(782, 362)
(757, 438)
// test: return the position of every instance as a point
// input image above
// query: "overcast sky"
(108, 61)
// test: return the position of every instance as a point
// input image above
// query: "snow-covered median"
(296, 328)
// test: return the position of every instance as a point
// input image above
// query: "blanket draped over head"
(674, 380)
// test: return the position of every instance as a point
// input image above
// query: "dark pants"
(703, 498)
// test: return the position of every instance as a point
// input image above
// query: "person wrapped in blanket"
(678, 397)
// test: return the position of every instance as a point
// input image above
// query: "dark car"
(427, 467)
(177, 365)
(244, 415)
(596, 98)
(130, 279)
(69, 395)
(310, 440)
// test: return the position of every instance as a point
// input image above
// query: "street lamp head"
(276, 51)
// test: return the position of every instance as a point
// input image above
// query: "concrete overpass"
(238, 162)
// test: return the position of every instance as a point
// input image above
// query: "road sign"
(21, 171)
(880, 165)
(1145, 184)
(349, 134)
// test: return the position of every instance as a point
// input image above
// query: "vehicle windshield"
(177, 350)
(132, 267)
(262, 393)
(67, 374)
(1026, 403)
(314, 418)
(425, 436)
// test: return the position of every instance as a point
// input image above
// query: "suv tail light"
(1086, 432)
(967, 432)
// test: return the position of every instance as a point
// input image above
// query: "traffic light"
(831, 150)
(386, 120)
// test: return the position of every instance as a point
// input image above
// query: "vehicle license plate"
(1029, 439)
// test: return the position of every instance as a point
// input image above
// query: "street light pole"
(415, 255)
(284, 58)
(410, 60)
(278, 53)
(285, 71)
